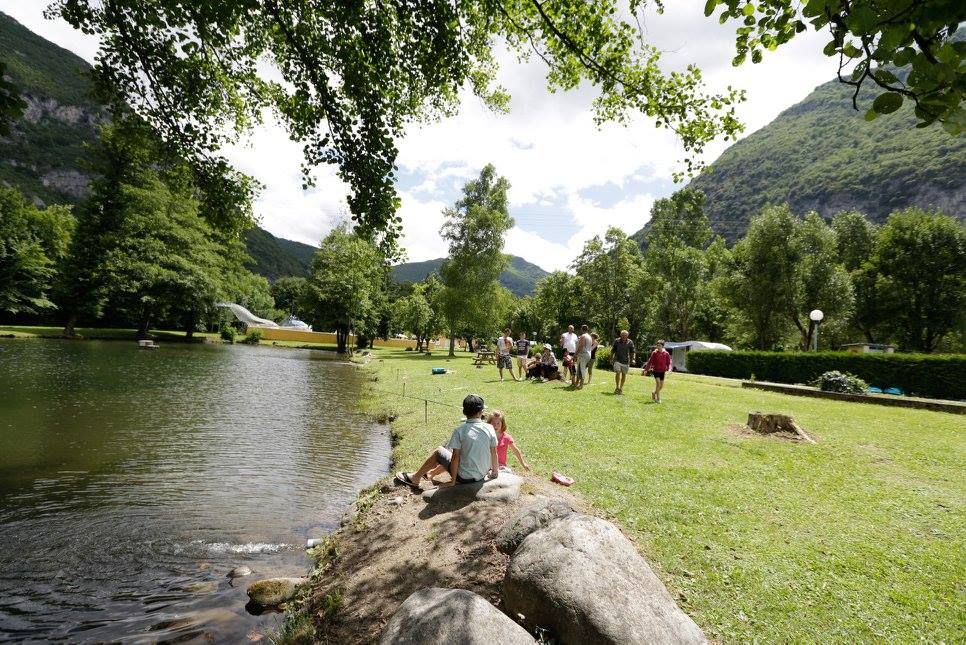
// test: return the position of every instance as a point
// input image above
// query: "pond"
(132, 481)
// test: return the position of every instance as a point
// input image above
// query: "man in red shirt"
(658, 365)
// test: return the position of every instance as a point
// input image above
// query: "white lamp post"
(816, 316)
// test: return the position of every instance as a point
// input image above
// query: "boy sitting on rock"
(469, 455)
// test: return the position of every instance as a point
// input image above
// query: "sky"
(570, 179)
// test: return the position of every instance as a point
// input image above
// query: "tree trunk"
(189, 331)
(70, 324)
(452, 344)
(144, 324)
(771, 423)
(469, 344)
(341, 338)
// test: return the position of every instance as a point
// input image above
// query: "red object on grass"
(563, 480)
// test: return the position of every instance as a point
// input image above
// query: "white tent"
(679, 351)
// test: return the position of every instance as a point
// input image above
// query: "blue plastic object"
(894, 390)
(875, 390)
(439, 370)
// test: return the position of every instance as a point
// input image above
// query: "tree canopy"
(351, 76)
(473, 299)
(907, 48)
(344, 286)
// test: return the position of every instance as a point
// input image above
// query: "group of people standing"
(579, 356)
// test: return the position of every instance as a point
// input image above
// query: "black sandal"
(404, 478)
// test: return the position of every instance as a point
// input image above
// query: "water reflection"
(132, 481)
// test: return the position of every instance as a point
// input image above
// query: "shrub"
(938, 376)
(228, 333)
(254, 337)
(604, 359)
(836, 381)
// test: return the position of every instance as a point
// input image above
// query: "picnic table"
(485, 357)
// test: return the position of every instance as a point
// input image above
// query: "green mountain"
(822, 155)
(45, 155)
(520, 277)
(276, 257)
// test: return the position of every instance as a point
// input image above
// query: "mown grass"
(858, 538)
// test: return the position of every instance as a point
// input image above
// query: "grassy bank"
(95, 333)
(106, 333)
(860, 537)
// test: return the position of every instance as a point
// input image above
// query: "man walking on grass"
(623, 356)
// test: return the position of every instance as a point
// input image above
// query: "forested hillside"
(822, 155)
(275, 257)
(45, 155)
(520, 277)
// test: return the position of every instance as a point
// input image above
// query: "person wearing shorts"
(622, 354)
(522, 348)
(470, 454)
(658, 365)
(584, 344)
(503, 361)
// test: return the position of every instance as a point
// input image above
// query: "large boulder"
(581, 578)
(274, 591)
(446, 616)
(505, 488)
(530, 519)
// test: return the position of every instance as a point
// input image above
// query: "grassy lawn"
(95, 333)
(858, 538)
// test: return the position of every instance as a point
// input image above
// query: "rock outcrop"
(504, 488)
(581, 578)
(445, 616)
(532, 518)
(274, 591)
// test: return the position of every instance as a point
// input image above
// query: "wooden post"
(426, 411)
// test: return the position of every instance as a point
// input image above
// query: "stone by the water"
(581, 578)
(274, 591)
(436, 616)
(239, 572)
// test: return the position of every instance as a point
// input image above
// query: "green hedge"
(942, 377)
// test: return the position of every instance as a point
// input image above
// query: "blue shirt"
(474, 438)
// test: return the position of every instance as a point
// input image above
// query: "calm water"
(132, 481)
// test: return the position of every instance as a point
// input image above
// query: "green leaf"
(830, 48)
(756, 56)
(709, 7)
(887, 103)
(871, 115)
(884, 76)
(851, 50)
(749, 9)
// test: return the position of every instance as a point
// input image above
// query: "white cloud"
(548, 146)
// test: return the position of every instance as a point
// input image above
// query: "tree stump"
(771, 423)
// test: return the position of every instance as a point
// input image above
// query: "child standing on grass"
(658, 365)
(504, 441)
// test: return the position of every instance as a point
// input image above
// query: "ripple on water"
(132, 482)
